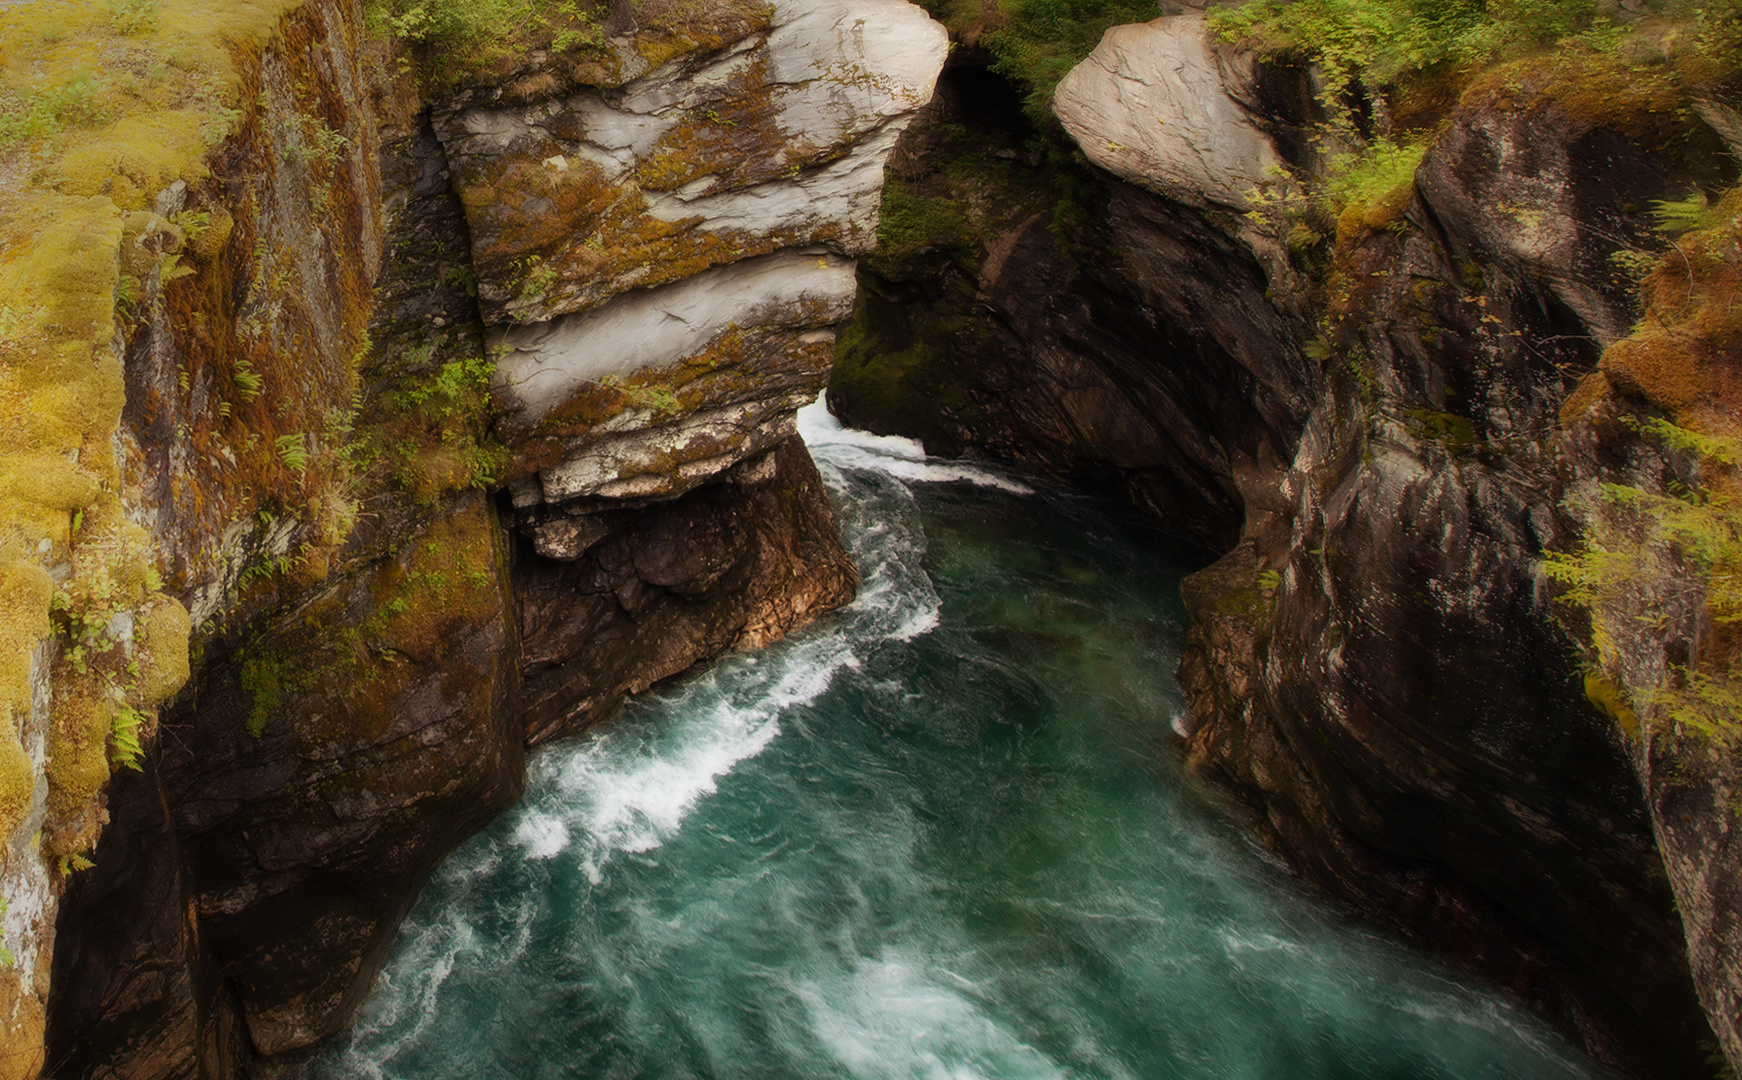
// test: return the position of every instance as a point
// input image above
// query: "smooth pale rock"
(1157, 105)
(568, 538)
(543, 365)
(775, 141)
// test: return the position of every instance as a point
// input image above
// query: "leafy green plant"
(1645, 553)
(1374, 173)
(1364, 45)
(124, 735)
(130, 17)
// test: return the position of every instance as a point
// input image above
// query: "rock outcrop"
(603, 281)
(1121, 340)
(1404, 706)
(683, 243)
(1160, 106)
(1376, 665)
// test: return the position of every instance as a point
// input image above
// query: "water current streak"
(939, 836)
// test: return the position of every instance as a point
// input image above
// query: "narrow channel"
(938, 836)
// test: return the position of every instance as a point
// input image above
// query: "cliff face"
(1425, 713)
(1369, 428)
(1114, 337)
(446, 420)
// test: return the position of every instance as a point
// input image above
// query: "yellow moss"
(1644, 103)
(1611, 702)
(209, 245)
(164, 639)
(148, 152)
(17, 782)
(21, 1023)
(1653, 366)
(1591, 389)
(69, 269)
(78, 765)
(48, 481)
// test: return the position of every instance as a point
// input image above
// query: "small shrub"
(1042, 40)
(74, 103)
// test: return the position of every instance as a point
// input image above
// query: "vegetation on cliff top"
(1655, 548)
(101, 107)
(1394, 70)
(539, 47)
(1035, 43)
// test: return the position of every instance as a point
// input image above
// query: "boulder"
(1162, 105)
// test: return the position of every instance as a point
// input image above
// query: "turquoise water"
(940, 836)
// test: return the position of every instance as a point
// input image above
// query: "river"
(940, 835)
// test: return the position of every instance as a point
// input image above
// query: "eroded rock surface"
(735, 564)
(633, 246)
(657, 262)
(1159, 104)
(1377, 667)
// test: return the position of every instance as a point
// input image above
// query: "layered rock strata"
(604, 286)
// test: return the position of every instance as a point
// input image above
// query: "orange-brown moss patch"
(1686, 356)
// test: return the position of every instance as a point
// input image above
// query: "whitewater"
(941, 835)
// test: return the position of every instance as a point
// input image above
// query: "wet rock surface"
(735, 564)
(1375, 663)
(391, 651)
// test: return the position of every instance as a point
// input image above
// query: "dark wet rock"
(1378, 668)
(735, 564)
(1134, 342)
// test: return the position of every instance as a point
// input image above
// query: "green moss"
(898, 363)
(451, 43)
(341, 669)
(1452, 431)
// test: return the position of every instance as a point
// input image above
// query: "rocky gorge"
(393, 397)
(1384, 445)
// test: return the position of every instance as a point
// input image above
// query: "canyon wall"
(1367, 427)
(446, 411)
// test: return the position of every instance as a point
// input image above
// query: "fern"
(1677, 216)
(124, 736)
(249, 383)
(293, 451)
